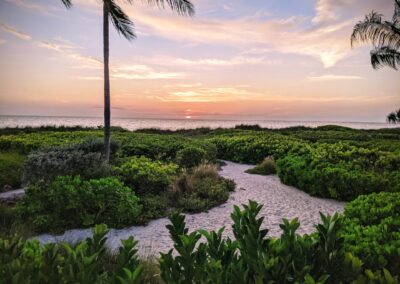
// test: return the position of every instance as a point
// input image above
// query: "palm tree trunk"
(107, 111)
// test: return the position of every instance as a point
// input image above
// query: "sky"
(234, 59)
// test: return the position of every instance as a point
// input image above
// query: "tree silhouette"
(384, 36)
(124, 26)
(394, 117)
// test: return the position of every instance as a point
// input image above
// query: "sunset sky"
(254, 59)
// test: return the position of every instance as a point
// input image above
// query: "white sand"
(280, 201)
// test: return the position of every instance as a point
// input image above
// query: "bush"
(145, 175)
(88, 262)
(267, 167)
(372, 230)
(161, 147)
(11, 165)
(190, 157)
(252, 257)
(340, 171)
(69, 202)
(84, 159)
(201, 189)
(154, 206)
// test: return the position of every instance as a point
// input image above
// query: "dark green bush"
(190, 157)
(161, 147)
(201, 189)
(253, 257)
(87, 262)
(267, 167)
(69, 202)
(145, 175)
(372, 230)
(11, 167)
(341, 171)
(84, 159)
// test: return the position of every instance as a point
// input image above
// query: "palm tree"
(124, 26)
(384, 36)
(394, 117)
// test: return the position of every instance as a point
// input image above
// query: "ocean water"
(172, 124)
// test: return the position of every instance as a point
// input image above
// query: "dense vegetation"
(69, 185)
(330, 255)
(328, 161)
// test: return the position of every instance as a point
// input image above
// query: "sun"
(188, 117)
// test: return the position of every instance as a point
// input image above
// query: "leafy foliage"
(69, 202)
(384, 35)
(341, 171)
(372, 230)
(87, 262)
(190, 157)
(10, 169)
(145, 175)
(252, 257)
(84, 159)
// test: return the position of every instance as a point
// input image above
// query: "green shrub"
(11, 165)
(267, 167)
(201, 189)
(154, 206)
(145, 175)
(69, 202)
(84, 159)
(190, 157)
(340, 171)
(253, 257)
(372, 230)
(161, 147)
(250, 257)
(87, 262)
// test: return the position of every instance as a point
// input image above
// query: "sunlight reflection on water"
(173, 124)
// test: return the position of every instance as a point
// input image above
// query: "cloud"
(216, 94)
(327, 10)
(33, 7)
(69, 49)
(236, 60)
(332, 77)
(2, 41)
(142, 72)
(15, 32)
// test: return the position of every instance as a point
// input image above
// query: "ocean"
(172, 124)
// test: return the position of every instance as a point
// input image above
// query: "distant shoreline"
(173, 124)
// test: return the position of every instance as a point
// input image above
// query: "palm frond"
(67, 3)
(374, 30)
(385, 56)
(121, 21)
(396, 15)
(394, 117)
(182, 7)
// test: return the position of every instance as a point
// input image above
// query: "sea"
(171, 124)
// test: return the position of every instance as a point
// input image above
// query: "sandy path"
(280, 201)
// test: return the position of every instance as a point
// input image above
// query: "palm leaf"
(121, 21)
(67, 3)
(372, 29)
(183, 7)
(396, 15)
(385, 56)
